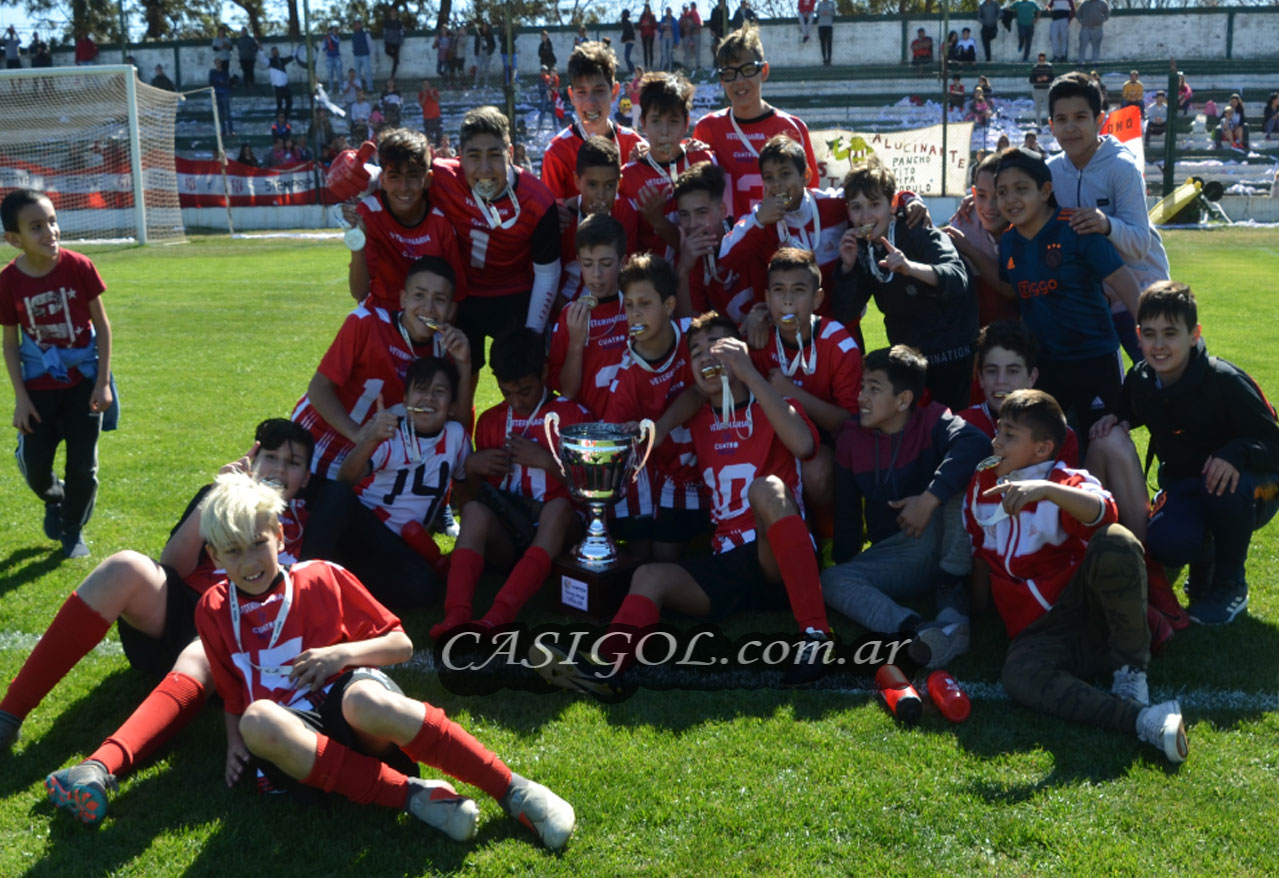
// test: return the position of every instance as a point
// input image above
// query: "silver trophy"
(596, 459)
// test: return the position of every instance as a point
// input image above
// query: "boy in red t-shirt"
(598, 175)
(399, 222)
(591, 332)
(294, 655)
(704, 284)
(517, 505)
(57, 350)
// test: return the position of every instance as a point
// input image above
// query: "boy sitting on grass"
(1069, 582)
(294, 653)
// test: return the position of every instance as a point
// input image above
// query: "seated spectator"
(278, 157)
(921, 49)
(952, 48)
(1270, 115)
(1157, 116)
(159, 81)
(360, 111)
(1229, 132)
(966, 48)
(1032, 142)
(297, 149)
(281, 127)
(246, 156)
(980, 112)
(1184, 93)
(392, 103)
(350, 89)
(956, 91)
(983, 82)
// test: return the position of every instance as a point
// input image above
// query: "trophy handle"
(552, 422)
(646, 427)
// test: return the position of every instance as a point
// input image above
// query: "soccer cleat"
(814, 659)
(1221, 605)
(82, 790)
(10, 730)
(581, 674)
(73, 546)
(1130, 683)
(448, 524)
(438, 805)
(1159, 594)
(1161, 726)
(53, 521)
(549, 817)
(946, 637)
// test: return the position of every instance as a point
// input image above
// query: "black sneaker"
(53, 521)
(10, 729)
(814, 659)
(74, 546)
(1221, 605)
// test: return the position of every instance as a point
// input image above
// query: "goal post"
(100, 142)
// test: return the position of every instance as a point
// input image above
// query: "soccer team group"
(984, 457)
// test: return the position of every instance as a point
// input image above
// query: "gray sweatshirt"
(1092, 13)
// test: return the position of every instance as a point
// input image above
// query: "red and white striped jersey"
(559, 161)
(647, 174)
(491, 431)
(403, 486)
(391, 247)
(605, 342)
(571, 285)
(835, 359)
(816, 225)
(736, 144)
(979, 416)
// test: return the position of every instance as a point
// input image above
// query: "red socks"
(525, 580)
(75, 630)
(445, 745)
(164, 713)
(464, 572)
(417, 538)
(793, 549)
(636, 612)
(362, 779)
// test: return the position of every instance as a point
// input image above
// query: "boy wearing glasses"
(738, 132)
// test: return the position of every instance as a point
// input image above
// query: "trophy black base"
(591, 593)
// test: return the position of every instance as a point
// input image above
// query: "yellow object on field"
(1181, 197)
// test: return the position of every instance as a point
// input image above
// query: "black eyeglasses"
(749, 69)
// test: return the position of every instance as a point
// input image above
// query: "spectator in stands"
(1031, 141)
(321, 134)
(246, 156)
(1026, 12)
(360, 112)
(956, 93)
(826, 28)
(520, 158)
(667, 39)
(1269, 116)
(428, 98)
(392, 103)
(628, 39)
(445, 149)
(719, 24)
(1157, 116)
(1229, 132)
(220, 80)
(1133, 93)
(441, 45)
(980, 113)
(648, 31)
(921, 49)
(1101, 87)
(279, 75)
(1061, 11)
(1041, 77)
(1237, 103)
(222, 48)
(247, 46)
(350, 89)
(952, 48)
(393, 38)
(278, 157)
(485, 46)
(744, 14)
(1092, 15)
(690, 37)
(1184, 93)
(581, 36)
(12, 49)
(546, 51)
(298, 150)
(333, 56)
(983, 82)
(988, 17)
(281, 127)
(1002, 144)
(159, 80)
(966, 48)
(362, 51)
(40, 54)
(86, 50)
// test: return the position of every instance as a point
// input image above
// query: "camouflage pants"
(1097, 625)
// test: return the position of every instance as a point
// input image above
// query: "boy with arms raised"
(738, 132)
(592, 89)
(1217, 442)
(517, 506)
(654, 370)
(749, 442)
(789, 215)
(590, 333)
(366, 363)
(900, 470)
(399, 222)
(704, 284)
(294, 652)
(1067, 580)
(508, 228)
(598, 175)
(153, 604)
(666, 104)
(57, 351)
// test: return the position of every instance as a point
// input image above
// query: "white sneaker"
(437, 804)
(1130, 683)
(1161, 726)
(947, 637)
(550, 817)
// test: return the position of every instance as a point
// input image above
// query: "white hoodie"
(1112, 181)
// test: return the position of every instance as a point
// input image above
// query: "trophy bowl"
(596, 460)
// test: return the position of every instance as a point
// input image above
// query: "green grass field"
(214, 335)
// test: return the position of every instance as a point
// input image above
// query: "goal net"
(100, 142)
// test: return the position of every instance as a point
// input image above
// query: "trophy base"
(590, 592)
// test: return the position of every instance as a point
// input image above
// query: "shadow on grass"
(15, 570)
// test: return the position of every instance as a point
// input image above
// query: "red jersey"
(571, 285)
(1031, 555)
(732, 456)
(648, 173)
(409, 484)
(605, 341)
(817, 225)
(499, 423)
(716, 287)
(829, 366)
(645, 390)
(499, 249)
(368, 358)
(559, 162)
(292, 520)
(737, 142)
(391, 247)
(53, 310)
(329, 606)
(979, 416)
